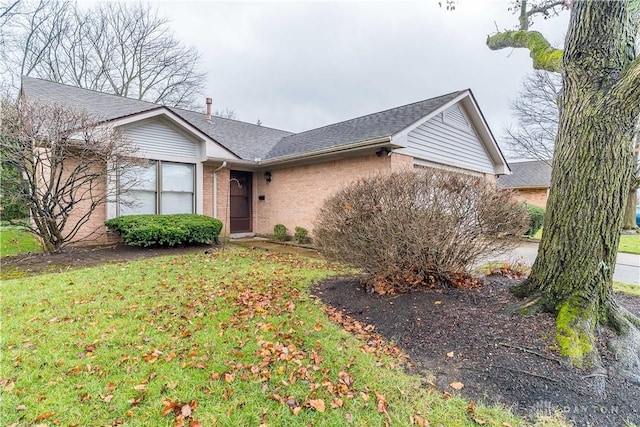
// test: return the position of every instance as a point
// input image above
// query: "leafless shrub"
(412, 229)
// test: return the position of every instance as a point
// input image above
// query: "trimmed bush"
(413, 229)
(536, 219)
(280, 232)
(166, 230)
(300, 235)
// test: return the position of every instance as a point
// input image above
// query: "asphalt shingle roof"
(246, 140)
(103, 106)
(529, 174)
(371, 126)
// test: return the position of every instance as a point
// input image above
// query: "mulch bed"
(511, 360)
(462, 335)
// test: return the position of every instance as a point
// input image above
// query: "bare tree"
(533, 137)
(536, 113)
(225, 114)
(120, 48)
(69, 163)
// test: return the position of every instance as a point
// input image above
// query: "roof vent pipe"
(209, 102)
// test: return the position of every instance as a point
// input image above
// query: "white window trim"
(196, 202)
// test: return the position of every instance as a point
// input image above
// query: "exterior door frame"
(240, 202)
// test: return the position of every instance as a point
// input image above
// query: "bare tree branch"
(64, 158)
(121, 48)
(536, 113)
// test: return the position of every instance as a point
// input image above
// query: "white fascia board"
(212, 147)
(486, 136)
(385, 140)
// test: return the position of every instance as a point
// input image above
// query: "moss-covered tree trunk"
(592, 174)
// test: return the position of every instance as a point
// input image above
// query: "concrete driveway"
(627, 265)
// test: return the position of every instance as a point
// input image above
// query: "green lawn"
(16, 240)
(629, 243)
(228, 339)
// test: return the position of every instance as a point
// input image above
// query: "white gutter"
(215, 189)
(330, 150)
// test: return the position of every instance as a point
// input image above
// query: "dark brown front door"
(240, 201)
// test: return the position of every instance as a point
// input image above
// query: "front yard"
(16, 240)
(230, 338)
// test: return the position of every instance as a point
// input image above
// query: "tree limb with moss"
(544, 56)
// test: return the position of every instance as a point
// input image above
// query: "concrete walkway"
(627, 265)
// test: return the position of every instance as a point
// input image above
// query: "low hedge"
(536, 218)
(166, 230)
(280, 232)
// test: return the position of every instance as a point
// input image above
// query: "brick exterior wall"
(93, 231)
(222, 196)
(533, 196)
(293, 197)
(295, 194)
(207, 190)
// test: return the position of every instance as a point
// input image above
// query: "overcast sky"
(300, 65)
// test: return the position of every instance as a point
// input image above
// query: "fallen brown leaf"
(44, 416)
(317, 404)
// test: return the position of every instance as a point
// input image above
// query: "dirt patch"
(85, 256)
(464, 336)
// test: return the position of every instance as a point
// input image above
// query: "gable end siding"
(440, 142)
(157, 139)
(456, 117)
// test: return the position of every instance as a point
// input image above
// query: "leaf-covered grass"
(16, 240)
(630, 243)
(231, 339)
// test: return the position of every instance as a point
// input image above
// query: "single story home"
(253, 177)
(530, 180)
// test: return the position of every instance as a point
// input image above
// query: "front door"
(240, 202)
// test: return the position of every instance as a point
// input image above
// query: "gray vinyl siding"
(157, 139)
(441, 142)
(457, 117)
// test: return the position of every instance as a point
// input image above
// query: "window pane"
(137, 202)
(142, 177)
(173, 203)
(177, 177)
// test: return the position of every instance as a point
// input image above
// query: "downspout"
(215, 189)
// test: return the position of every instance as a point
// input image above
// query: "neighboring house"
(531, 181)
(253, 177)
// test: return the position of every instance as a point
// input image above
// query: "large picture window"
(158, 187)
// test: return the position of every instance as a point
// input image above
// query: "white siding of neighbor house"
(448, 138)
(157, 139)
